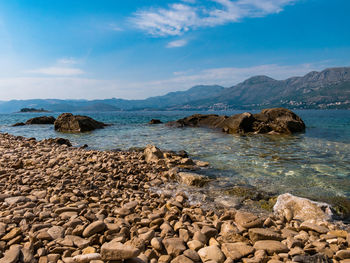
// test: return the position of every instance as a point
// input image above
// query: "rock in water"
(279, 120)
(301, 208)
(68, 122)
(41, 120)
(192, 179)
(275, 120)
(155, 121)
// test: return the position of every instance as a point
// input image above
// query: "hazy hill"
(329, 88)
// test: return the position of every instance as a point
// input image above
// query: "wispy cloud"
(183, 16)
(67, 61)
(177, 43)
(57, 71)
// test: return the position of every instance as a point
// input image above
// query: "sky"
(89, 49)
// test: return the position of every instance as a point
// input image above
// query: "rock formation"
(68, 122)
(268, 121)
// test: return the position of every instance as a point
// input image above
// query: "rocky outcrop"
(41, 120)
(271, 121)
(37, 120)
(68, 122)
(200, 120)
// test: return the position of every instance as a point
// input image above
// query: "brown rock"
(256, 234)
(68, 122)
(174, 246)
(118, 251)
(93, 228)
(271, 246)
(237, 250)
(248, 220)
(211, 253)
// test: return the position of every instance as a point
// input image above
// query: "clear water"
(315, 164)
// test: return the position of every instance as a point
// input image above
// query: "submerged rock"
(68, 122)
(275, 120)
(301, 208)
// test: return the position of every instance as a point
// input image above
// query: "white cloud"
(180, 17)
(67, 61)
(177, 43)
(58, 71)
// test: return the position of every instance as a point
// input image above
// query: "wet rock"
(155, 121)
(41, 120)
(275, 120)
(192, 179)
(18, 124)
(68, 122)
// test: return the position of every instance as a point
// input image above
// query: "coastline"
(66, 204)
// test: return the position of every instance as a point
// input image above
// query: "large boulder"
(293, 207)
(272, 121)
(279, 120)
(41, 120)
(68, 122)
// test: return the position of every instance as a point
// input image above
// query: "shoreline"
(66, 204)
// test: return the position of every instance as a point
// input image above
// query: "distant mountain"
(328, 89)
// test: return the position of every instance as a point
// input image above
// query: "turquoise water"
(315, 164)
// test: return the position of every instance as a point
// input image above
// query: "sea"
(314, 164)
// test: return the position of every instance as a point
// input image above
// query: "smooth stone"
(256, 234)
(93, 228)
(56, 232)
(248, 220)
(118, 251)
(87, 257)
(313, 227)
(271, 246)
(174, 246)
(237, 250)
(11, 255)
(211, 253)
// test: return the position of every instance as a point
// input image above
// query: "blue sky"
(140, 48)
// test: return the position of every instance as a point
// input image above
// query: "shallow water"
(315, 164)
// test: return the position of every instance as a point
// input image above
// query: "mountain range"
(328, 89)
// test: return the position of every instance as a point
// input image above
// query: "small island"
(33, 110)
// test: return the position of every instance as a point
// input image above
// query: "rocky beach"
(67, 204)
